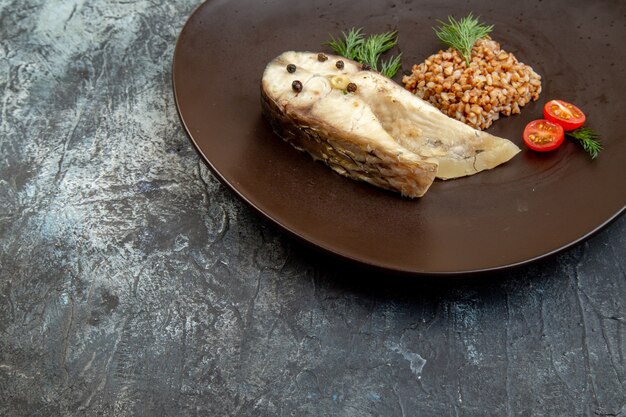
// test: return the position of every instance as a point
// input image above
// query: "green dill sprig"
(368, 50)
(374, 46)
(462, 34)
(351, 44)
(390, 67)
(589, 140)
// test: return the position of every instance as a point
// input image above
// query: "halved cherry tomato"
(564, 113)
(542, 135)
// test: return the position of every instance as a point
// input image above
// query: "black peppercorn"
(296, 86)
(351, 88)
(321, 57)
(291, 68)
(339, 64)
(366, 67)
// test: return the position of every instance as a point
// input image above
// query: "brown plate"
(531, 207)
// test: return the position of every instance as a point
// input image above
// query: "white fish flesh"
(366, 127)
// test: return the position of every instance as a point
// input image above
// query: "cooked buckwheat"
(494, 83)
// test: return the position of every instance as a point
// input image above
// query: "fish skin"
(380, 134)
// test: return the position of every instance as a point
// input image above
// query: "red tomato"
(543, 135)
(565, 114)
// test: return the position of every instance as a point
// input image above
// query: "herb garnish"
(462, 34)
(589, 139)
(367, 50)
(349, 45)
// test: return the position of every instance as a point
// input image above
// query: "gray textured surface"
(133, 283)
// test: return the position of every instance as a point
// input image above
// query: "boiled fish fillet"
(379, 133)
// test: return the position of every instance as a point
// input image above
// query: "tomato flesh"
(543, 135)
(564, 114)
